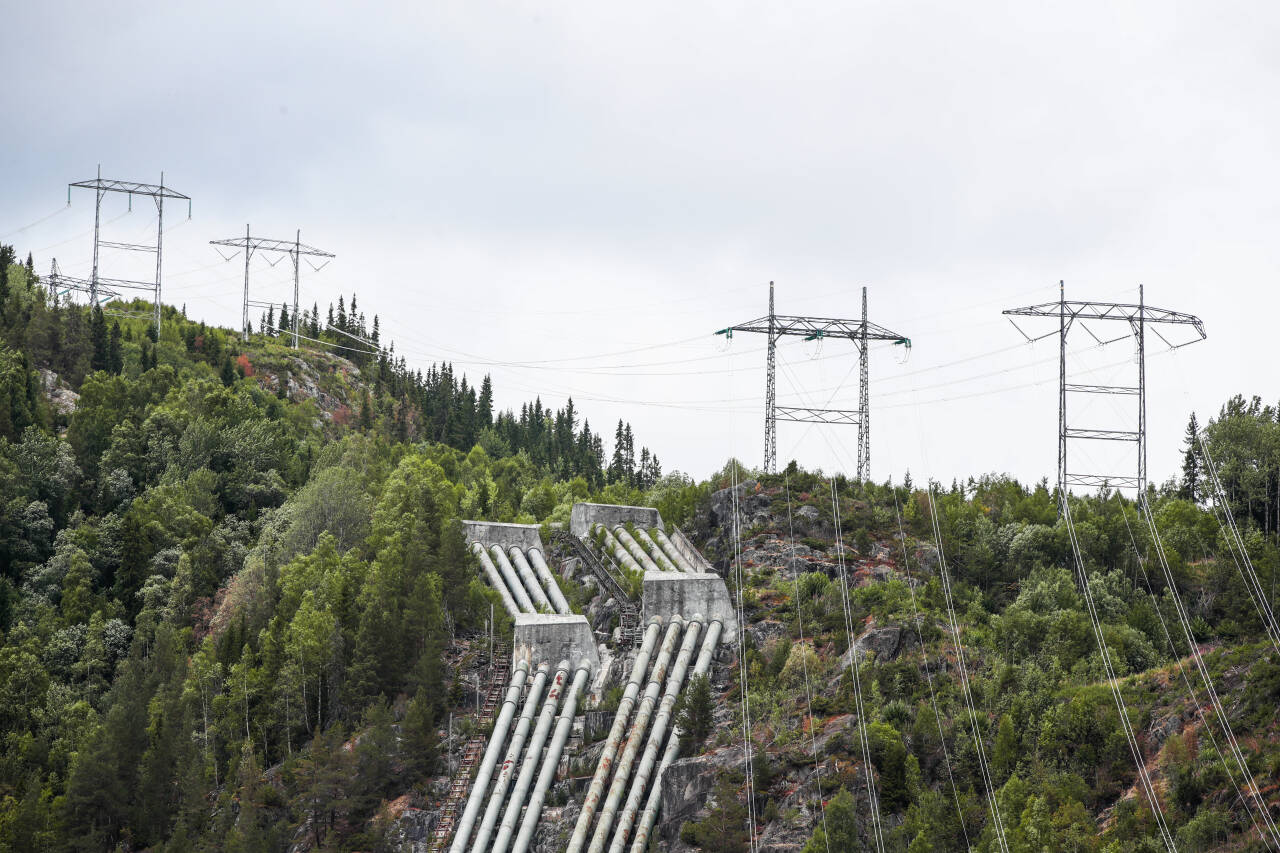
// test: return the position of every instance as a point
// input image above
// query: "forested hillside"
(236, 604)
(222, 557)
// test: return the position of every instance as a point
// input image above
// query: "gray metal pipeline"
(657, 736)
(496, 740)
(512, 582)
(650, 814)
(673, 552)
(629, 542)
(618, 551)
(558, 601)
(547, 774)
(655, 551)
(525, 580)
(638, 728)
(516, 801)
(495, 579)
(503, 780)
(591, 801)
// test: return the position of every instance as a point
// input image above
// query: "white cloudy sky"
(575, 196)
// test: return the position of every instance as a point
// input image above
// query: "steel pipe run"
(512, 581)
(525, 581)
(547, 775)
(503, 781)
(638, 728)
(495, 580)
(650, 814)
(558, 600)
(496, 740)
(516, 801)
(629, 542)
(618, 551)
(654, 551)
(657, 735)
(673, 552)
(591, 801)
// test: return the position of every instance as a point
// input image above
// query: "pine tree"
(618, 465)
(1005, 754)
(6, 258)
(694, 715)
(629, 456)
(421, 749)
(228, 372)
(98, 358)
(271, 319)
(1191, 462)
(484, 405)
(284, 318)
(115, 355)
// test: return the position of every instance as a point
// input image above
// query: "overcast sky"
(574, 197)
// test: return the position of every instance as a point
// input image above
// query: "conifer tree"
(115, 356)
(1191, 462)
(98, 356)
(228, 372)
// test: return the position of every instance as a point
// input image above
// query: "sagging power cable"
(873, 799)
(924, 663)
(984, 765)
(804, 665)
(1224, 723)
(1113, 681)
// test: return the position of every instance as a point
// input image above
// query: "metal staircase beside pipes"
(460, 785)
(628, 613)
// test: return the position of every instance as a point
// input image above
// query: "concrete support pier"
(669, 593)
(583, 517)
(544, 636)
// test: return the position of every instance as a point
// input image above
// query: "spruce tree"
(228, 373)
(98, 356)
(1191, 462)
(694, 715)
(6, 258)
(115, 355)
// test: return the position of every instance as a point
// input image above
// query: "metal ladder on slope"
(472, 752)
(628, 613)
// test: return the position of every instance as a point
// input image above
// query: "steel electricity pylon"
(1138, 317)
(158, 193)
(295, 250)
(861, 332)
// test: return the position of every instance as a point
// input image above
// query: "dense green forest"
(221, 562)
(204, 574)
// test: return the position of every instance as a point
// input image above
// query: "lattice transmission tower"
(1139, 318)
(295, 250)
(158, 193)
(860, 332)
